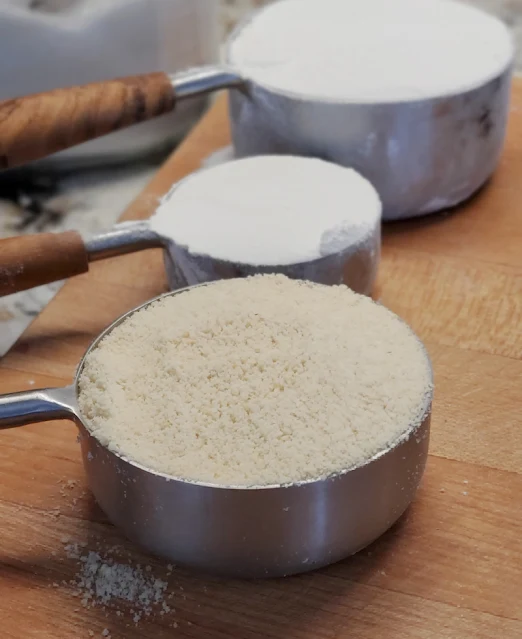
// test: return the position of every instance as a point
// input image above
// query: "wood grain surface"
(450, 569)
(35, 126)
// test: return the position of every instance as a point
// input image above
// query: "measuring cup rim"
(413, 103)
(365, 238)
(423, 415)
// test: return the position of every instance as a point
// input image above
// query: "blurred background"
(51, 43)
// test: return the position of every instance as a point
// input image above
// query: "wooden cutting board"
(451, 568)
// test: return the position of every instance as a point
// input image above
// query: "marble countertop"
(91, 201)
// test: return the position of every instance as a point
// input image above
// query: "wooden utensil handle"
(35, 126)
(33, 260)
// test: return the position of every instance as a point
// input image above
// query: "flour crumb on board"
(102, 581)
(67, 485)
(72, 489)
(106, 633)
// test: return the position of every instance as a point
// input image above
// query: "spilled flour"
(103, 581)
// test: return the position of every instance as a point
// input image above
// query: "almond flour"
(255, 381)
(102, 581)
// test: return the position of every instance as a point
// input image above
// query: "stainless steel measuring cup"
(33, 260)
(268, 531)
(421, 156)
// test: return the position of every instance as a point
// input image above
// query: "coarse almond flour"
(255, 381)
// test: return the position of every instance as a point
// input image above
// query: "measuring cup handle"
(30, 407)
(33, 260)
(123, 238)
(34, 126)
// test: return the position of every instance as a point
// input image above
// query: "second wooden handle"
(35, 126)
(33, 260)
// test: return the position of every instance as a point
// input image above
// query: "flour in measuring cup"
(372, 51)
(270, 210)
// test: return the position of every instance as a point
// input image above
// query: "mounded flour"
(372, 50)
(271, 211)
(255, 381)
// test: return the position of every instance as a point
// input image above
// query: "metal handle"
(189, 84)
(127, 237)
(30, 407)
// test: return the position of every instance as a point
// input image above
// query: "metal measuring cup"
(420, 155)
(268, 531)
(33, 260)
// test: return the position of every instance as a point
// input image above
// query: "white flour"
(270, 210)
(225, 154)
(372, 50)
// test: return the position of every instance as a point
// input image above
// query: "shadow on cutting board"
(316, 604)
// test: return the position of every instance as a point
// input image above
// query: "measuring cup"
(421, 155)
(268, 531)
(33, 260)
